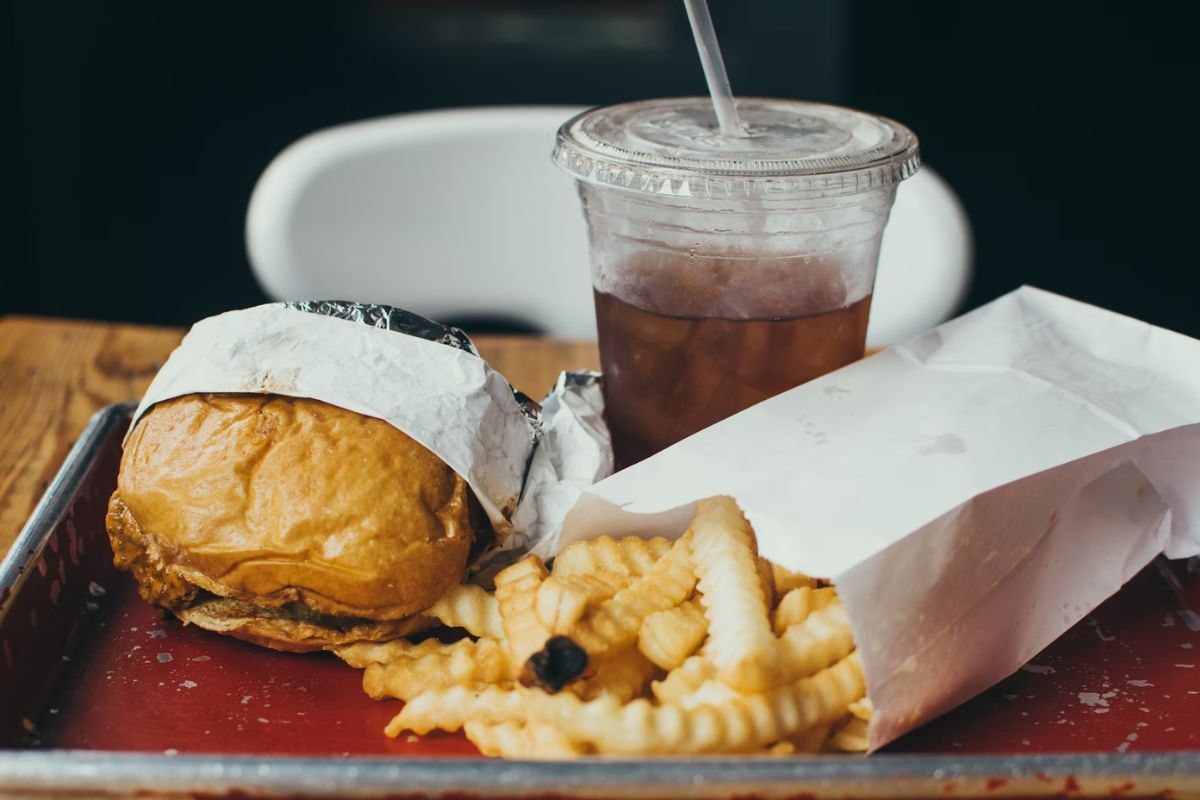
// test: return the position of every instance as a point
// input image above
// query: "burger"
(288, 522)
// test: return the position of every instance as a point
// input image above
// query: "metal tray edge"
(28, 545)
(884, 775)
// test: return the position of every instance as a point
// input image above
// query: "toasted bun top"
(275, 500)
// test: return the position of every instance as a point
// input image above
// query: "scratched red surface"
(1124, 679)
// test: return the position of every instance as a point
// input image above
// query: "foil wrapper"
(389, 319)
(525, 462)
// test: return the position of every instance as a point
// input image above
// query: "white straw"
(714, 67)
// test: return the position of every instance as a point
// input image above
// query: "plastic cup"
(727, 270)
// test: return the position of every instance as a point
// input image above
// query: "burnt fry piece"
(559, 662)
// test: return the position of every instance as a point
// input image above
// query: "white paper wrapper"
(431, 385)
(973, 493)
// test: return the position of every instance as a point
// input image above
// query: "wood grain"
(54, 374)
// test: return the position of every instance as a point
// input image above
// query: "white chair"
(461, 213)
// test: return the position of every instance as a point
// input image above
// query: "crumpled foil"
(388, 318)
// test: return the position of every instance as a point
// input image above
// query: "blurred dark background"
(133, 132)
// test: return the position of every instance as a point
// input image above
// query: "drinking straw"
(714, 67)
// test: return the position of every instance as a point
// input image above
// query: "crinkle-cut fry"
(784, 748)
(746, 723)
(622, 676)
(669, 636)
(619, 560)
(766, 581)
(710, 693)
(785, 580)
(463, 663)
(740, 635)
(362, 654)
(685, 679)
(795, 606)
(821, 639)
(863, 708)
(469, 607)
(614, 624)
(563, 599)
(850, 737)
(520, 740)
(448, 709)
(516, 594)
(811, 740)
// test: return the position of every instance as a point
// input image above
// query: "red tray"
(85, 665)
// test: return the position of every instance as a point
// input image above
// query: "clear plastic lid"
(791, 148)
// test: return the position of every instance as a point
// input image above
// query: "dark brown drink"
(727, 269)
(667, 377)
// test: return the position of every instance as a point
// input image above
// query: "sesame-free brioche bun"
(287, 521)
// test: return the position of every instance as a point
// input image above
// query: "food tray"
(102, 696)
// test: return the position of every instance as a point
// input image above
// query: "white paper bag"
(973, 493)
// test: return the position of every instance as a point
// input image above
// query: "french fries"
(471, 608)
(516, 740)
(449, 709)
(464, 663)
(668, 637)
(617, 560)
(850, 737)
(743, 646)
(684, 680)
(795, 606)
(516, 594)
(562, 600)
(615, 623)
(743, 723)
(636, 647)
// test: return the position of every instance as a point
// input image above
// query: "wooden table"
(54, 374)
